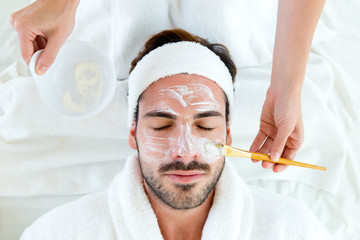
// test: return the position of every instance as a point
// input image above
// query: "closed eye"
(204, 128)
(162, 128)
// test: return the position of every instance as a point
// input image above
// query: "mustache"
(178, 165)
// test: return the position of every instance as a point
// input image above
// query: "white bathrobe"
(124, 212)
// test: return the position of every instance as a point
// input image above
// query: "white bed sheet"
(30, 132)
(340, 211)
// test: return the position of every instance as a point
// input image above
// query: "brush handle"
(265, 157)
(235, 152)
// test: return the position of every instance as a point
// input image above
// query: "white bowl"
(80, 83)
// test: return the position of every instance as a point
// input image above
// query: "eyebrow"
(208, 114)
(160, 114)
(173, 117)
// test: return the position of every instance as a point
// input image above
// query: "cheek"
(152, 148)
(215, 136)
(207, 157)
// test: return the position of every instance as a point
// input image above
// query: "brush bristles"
(214, 149)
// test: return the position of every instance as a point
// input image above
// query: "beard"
(181, 196)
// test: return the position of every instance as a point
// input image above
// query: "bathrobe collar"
(229, 218)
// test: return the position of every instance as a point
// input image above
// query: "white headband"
(175, 58)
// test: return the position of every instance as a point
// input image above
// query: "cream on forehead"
(189, 94)
(162, 107)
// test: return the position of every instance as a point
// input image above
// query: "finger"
(47, 57)
(26, 48)
(280, 168)
(296, 138)
(265, 150)
(258, 141)
(289, 153)
(279, 143)
(12, 18)
(267, 165)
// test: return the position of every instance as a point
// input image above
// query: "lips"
(185, 176)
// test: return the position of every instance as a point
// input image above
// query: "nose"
(185, 148)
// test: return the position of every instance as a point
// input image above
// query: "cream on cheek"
(182, 142)
(185, 144)
(189, 145)
(154, 149)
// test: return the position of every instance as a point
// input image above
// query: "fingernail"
(275, 157)
(41, 70)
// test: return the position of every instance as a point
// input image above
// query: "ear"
(132, 136)
(228, 135)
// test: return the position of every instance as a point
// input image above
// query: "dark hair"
(178, 35)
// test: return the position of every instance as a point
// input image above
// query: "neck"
(179, 224)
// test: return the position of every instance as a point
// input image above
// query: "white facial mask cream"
(88, 90)
(187, 95)
(185, 142)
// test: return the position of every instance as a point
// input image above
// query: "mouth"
(185, 176)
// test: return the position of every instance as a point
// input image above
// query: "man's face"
(177, 115)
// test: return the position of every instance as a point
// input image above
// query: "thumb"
(48, 56)
(279, 143)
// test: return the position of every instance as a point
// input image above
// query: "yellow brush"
(224, 150)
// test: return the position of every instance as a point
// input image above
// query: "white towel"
(121, 27)
(124, 212)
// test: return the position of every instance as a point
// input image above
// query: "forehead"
(185, 88)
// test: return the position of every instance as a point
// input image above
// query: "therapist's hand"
(44, 24)
(281, 127)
